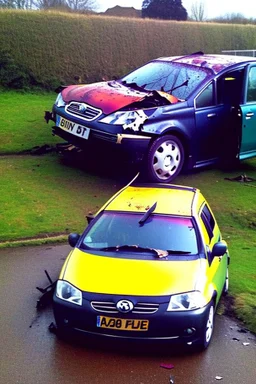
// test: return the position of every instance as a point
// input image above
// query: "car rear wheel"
(165, 159)
(207, 331)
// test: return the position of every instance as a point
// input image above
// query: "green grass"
(45, 195)
(40, 195)
(22, 124)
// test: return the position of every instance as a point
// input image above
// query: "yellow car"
(151, 265)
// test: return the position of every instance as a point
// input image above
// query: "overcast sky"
(213, 8)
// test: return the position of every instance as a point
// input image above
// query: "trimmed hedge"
(52, 48)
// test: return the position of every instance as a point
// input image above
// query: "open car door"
(248, 115)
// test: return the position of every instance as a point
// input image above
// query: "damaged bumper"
(133, 146)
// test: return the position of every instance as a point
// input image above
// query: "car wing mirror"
(219, 249)
(73, 239)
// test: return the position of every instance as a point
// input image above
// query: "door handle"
(211, 115)
(249, 114)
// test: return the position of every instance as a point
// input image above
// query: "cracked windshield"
(179, 80)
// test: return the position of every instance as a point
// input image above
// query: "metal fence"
(240, 52)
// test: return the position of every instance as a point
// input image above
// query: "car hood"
(110, 275)
(110, 96)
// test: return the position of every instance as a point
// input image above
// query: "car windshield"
(123, 231)
(178, 79)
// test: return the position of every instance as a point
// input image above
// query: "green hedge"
(53, 47)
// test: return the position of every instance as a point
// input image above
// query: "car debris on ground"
(47, 292)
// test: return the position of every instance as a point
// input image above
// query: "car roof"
(216, 63)
(171, 199)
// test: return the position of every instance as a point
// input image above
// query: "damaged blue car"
(172, 113)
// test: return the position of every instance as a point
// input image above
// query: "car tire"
(165, 159)
(207, 331)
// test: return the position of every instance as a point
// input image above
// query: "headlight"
(128, 119)
(59, 102)
(186, 301)
(120, 118)
(68, 292)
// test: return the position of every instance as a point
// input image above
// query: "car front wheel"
(165, 159)
(207, 331)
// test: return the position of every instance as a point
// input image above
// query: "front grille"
(83, 110)
(110, 307)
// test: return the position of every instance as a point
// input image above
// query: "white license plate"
(73, 128)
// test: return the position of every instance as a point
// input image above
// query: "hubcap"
(209, 325)
(166, 159)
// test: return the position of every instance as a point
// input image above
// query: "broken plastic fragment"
(246, 344)
(136, 123)
(161, 253)
(167, 366)
(218, 377)
(241, 179)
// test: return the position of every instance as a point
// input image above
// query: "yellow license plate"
(122, 324)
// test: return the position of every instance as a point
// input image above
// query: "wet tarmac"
(31, 354)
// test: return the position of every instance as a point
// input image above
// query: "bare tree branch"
(198, 11)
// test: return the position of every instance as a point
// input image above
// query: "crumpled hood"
(110, 275)
(108, 96)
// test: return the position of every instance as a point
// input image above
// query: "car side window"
(208, 221)
(205, 99)
(251, 88)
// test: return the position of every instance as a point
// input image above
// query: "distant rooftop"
(123, 12)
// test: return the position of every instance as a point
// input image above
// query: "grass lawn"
(22, 124)
(44, 195)
(40, 195)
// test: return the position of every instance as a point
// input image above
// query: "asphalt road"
(31, 354)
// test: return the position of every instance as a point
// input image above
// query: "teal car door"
(248, 114)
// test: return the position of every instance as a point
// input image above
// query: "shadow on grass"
(112, 165)
(115, 165)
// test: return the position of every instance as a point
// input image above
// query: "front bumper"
(131, 144)
(177, 327)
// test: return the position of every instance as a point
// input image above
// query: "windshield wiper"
(137, 248)
(147, 214)
(127, 247)
(176, 252)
